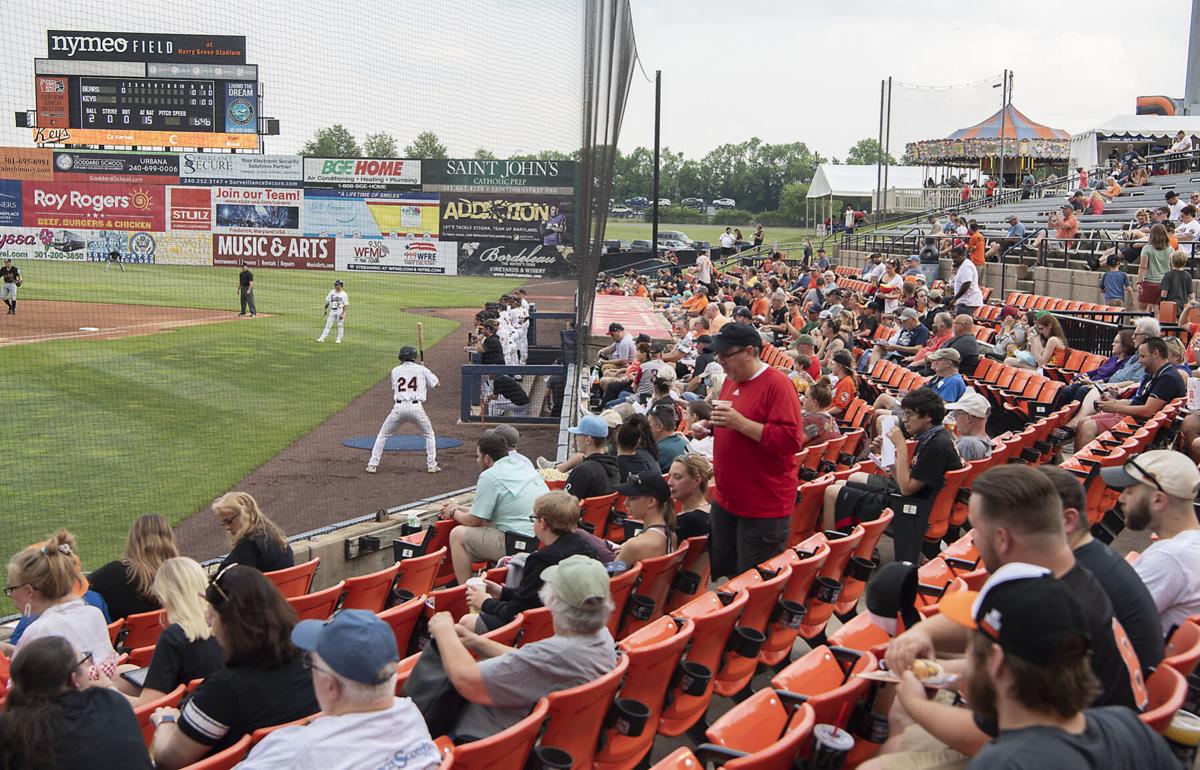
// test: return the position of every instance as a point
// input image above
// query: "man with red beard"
(1027, 672)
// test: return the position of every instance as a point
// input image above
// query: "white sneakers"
(434, 469)
(545, 464)
(372, 469)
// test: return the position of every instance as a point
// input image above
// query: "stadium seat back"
(852, 582)
(144, 711)
(370, 592)
(141, 630)
(142, 656)
(539, 625)
(658, 575)
(621, 586)
(806, 513)
(943, 504)
(318, 605)
(576, 715)
(506, 750)
(224, 760)
(693, 572)
(861, 633)
(1166, 689)
(452, 600)
(737, 670)
(714, 620)
(417, 574)
(403, 620)
(1183, 648)
(295, 581)
(826, 677)
(595, 511)
(262, 732)
(654, 653)
(508, 633)
(736, 730)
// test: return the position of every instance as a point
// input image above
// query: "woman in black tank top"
(648, 499)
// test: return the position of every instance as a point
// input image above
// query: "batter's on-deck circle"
(410, 385)
(336, 302)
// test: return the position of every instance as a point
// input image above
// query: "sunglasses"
(1146, 475)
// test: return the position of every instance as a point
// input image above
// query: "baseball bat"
(421, 341)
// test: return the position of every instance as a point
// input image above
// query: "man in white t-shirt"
(874, 269)
(704, 271)
(353, 660)
(1159, 488)
(1174, 204)
(727, 242)
(968, 297)
(1188, 229)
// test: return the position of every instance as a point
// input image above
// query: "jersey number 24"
(403, 385)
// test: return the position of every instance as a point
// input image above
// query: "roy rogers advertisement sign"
(515, 260)
(537, 177)
(483, 217)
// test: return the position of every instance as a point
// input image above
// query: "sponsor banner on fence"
(145, 46)
(515, 260)
(121, 137)
(184, 249)
(10, 203)
(273, 251)
(138, 248)
(260, 210)
(191, 208)
(200, 168)
(117, 167)
(26, 163)
(94, 206)
(43, 243)
(541, 177)
(484, 217)
(398, 255)
(370, 215)
(362, 173)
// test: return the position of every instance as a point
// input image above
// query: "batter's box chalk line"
(402, 443)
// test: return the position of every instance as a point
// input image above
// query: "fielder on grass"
(410, 384)
(11, 276)
(336, 302)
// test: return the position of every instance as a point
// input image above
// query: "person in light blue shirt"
(503, 503)
(1016, 232)
(946, 380)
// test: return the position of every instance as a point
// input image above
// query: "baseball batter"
(336, 302)
(11, 279)
(410, 384)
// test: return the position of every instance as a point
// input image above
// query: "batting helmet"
(408, 353)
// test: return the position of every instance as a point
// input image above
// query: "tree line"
(770, 181)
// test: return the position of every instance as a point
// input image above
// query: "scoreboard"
(146, 104)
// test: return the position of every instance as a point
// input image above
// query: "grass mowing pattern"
(97, 432)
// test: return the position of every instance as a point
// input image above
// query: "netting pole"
(657, 147)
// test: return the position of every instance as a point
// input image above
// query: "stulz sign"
(514, 260)
(274, 251)
(362, 173)
(145, 47)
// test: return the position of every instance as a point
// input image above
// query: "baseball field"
(176, 398)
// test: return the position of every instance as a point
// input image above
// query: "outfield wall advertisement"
(398, 255)
(442, 217)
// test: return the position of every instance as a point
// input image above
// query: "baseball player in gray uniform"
(336, 302)
(410, 384)
(11, 276)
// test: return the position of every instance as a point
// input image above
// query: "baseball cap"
(1013, 218)
(1165, 469)
(338, 283)
(914, 257)
(908, 314)
(578, 580)
(615, 327)
(735, 335)
(1008, 310)
(591, 425)
(741, 312)
(805, 339)
(972, 403)
(354, 643)
(646, 484)
(1026, 611)
(947, 354)
(643, 337)
(506, 432)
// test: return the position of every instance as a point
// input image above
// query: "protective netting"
(452, 153)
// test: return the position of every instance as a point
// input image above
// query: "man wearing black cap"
(622, 350)
(1028, 673)
(757, 419)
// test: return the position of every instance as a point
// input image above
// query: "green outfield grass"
(96, 432)
(629, 230)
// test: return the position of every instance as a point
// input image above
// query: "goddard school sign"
(554, 177)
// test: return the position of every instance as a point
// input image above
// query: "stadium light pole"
(657, 128)
(887, 144)
(879, 151)
(1003, 123)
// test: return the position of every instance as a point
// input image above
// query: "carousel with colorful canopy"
(1024, 144)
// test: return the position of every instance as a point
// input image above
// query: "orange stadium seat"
(370, 592)
(224, 760)
(403, 619)
(318, 605)
(576, 715)
(714, 616)
(294, 581)
(506, 750)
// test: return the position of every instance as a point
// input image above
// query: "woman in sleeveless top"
(648, 498)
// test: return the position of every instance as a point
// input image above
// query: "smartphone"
(136, 677)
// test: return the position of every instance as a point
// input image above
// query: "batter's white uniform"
(520, 321)
(337, 301)
(410, 384)
(507, 341)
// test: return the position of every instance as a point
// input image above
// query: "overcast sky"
(810, 71)
(506, 75)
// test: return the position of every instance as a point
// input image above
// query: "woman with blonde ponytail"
(254, 540)
(41, 580)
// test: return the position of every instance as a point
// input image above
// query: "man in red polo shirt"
(757, 435)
